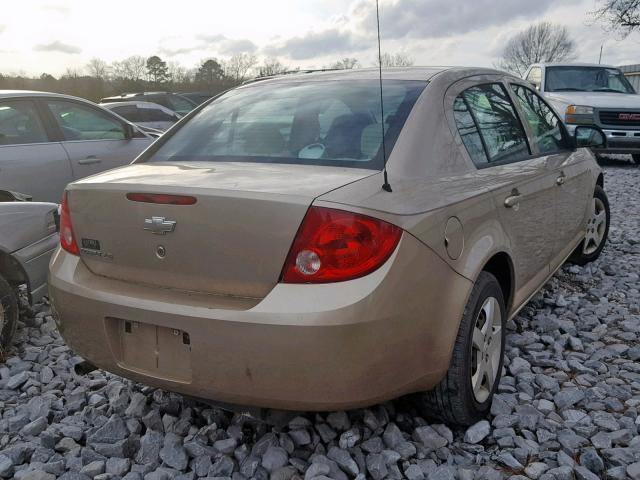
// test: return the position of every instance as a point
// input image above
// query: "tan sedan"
(261, 253)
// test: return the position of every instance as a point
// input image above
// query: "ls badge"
(92, 247)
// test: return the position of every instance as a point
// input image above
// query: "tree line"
(99, 79)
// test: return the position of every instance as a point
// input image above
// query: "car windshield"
(586, 79)
(334, 123)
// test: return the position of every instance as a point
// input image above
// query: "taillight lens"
(334, 246)
(67, 238)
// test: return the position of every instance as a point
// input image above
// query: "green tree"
(210, 74)
(157, 70)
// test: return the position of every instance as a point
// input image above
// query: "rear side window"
(497, 124)
(545, 125)
(20, 124)
(130, 112)
(335, 123)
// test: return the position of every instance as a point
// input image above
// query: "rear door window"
(545, 126)
(497, 123)
(20, 123)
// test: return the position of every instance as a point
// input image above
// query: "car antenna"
(385, 186)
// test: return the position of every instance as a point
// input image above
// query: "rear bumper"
(302, 347)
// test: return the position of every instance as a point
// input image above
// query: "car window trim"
(563, 128)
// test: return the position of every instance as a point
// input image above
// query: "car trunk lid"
(232, 241)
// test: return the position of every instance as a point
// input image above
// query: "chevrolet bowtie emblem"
(159, 225)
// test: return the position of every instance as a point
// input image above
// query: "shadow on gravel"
(623, 161)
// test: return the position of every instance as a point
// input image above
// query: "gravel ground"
(567, 405)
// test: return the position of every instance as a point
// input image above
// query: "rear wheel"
(636, 158)
(464, 395)
(597, 229)
(8, 315)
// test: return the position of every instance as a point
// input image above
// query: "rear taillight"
(334, 246)
(67, 238)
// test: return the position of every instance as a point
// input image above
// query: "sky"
(38, 36)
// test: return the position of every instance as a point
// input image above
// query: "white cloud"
(57, 46)
(40, 35)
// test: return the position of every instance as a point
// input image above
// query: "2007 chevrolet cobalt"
(252, 256)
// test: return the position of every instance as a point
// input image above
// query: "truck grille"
(620, 119)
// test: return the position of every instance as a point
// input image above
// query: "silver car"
(28, 237)
(48, 140)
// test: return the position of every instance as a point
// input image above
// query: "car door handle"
(561, 179)
(90, 160)
(512, 200)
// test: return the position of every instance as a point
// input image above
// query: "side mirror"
(589, 136)
(129, 131)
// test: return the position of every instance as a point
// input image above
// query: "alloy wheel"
(486, 348)
(596, 226)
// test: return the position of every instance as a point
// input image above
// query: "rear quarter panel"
(433, 181)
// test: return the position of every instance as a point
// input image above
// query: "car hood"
(595, 99)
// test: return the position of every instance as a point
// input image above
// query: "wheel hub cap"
(486, 349)
(596, 226)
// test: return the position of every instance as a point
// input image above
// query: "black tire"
(636, 158)
(453, 400)
(581, 256)
(8, 315)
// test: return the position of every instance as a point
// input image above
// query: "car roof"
(393, 73)
(35, 93)
(133, 103)
(571, 64)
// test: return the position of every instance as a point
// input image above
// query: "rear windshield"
(336, 123)
(586, 79)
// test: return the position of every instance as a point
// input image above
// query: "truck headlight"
(580, 114)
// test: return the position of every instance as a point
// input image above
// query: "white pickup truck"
(592, 94)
